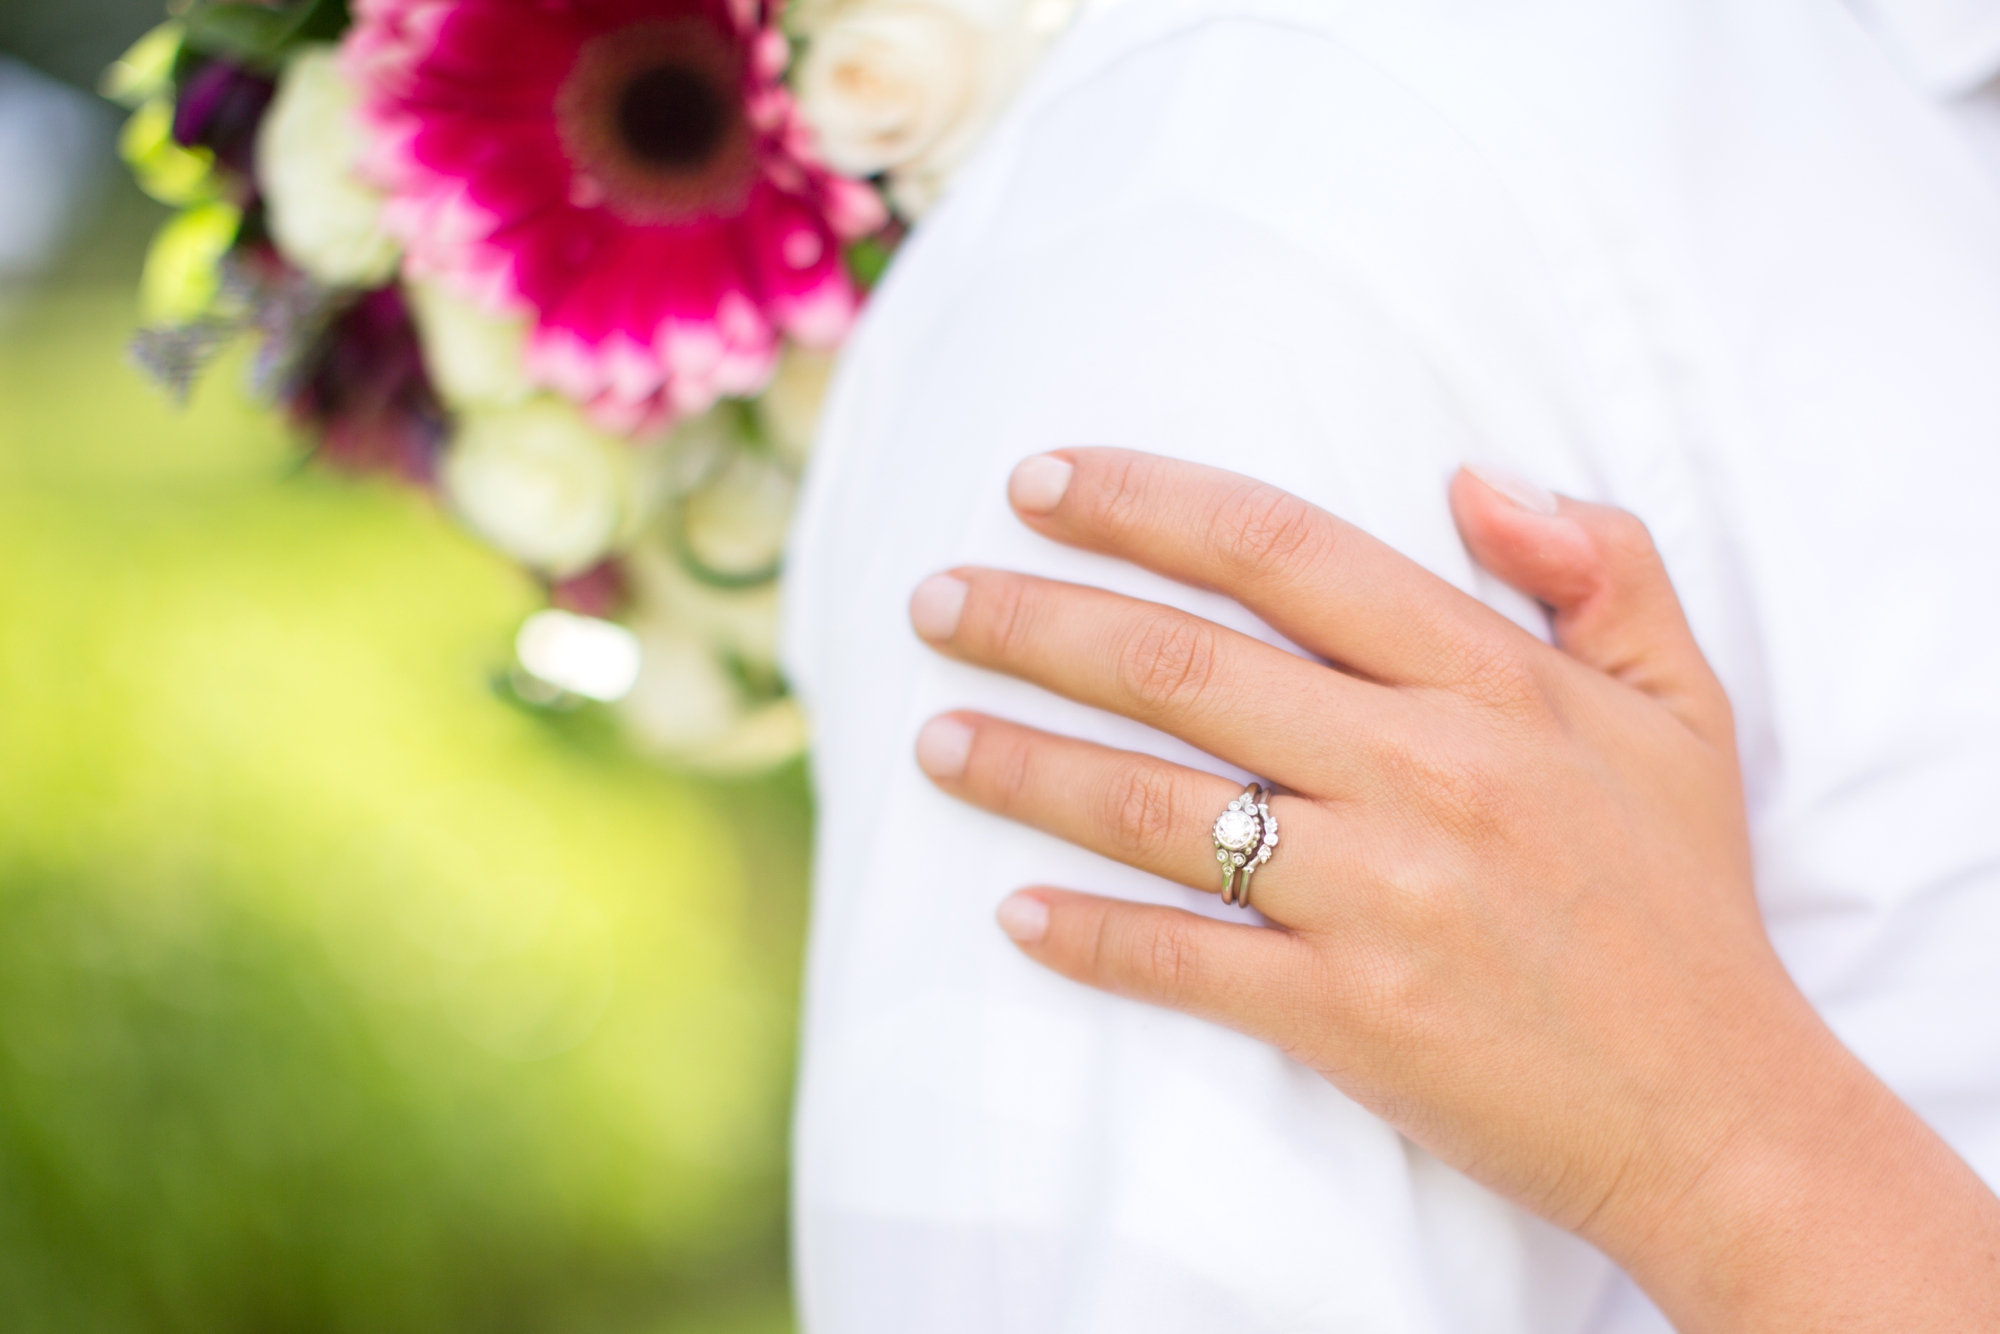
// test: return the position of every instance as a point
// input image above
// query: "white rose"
(542, 485)
(789, 407)
(324, 219)
(909, 87)
(738, 621)
(687, 708)
(738, 521)
(886, 82)
(475, 359)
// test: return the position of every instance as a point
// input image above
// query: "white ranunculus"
(475, 359)
(908, 87)
(540, 483)
(323, 218)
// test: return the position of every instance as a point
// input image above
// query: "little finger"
(1253, 980)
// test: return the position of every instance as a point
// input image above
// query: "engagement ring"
(1244, 835)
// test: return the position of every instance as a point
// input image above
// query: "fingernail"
(936, 606)
(942, 747)
(1024, 918)
(1514, 487)
(1038, 484)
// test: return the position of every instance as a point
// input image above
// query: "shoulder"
(1314, 164)
(1199, 202)
(1264, 115)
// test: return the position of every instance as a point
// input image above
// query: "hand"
(1513, 899)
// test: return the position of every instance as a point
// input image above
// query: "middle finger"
(1232, 696)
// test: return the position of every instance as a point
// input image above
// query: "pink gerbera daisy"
(632, 173)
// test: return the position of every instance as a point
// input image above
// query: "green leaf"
(146, 70)
(165, 170)
(259, 35)
(183, 272)
(250, 33)
(867, 260)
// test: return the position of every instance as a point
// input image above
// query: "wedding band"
(1244, 836)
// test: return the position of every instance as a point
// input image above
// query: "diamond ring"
(1244, 835)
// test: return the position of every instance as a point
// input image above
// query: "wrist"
(1810, 1197)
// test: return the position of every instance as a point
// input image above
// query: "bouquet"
(577, 267)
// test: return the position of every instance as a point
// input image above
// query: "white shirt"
(1735, 266)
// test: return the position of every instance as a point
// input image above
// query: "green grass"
(336, 993)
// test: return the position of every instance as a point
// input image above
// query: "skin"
(1512, 911)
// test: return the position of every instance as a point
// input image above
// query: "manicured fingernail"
(1514, 487)
(936, 606)
(942, 747)
(1038, 484)
(1024, 918)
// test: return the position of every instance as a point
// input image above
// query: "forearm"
(1831, 1206)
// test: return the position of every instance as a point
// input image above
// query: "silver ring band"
(1244, 837)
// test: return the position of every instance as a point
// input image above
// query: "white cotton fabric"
(1733, 266)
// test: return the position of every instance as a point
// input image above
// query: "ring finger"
(1133, 808)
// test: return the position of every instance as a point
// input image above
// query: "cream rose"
(908, 87)
(542, 485)
(887, 82)
(322, 217)
(789, 408)
(687, 707)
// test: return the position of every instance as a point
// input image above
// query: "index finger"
(1316, 579)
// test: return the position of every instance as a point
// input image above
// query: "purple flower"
(219, 109)
(363, 391)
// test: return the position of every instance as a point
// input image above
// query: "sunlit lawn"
(335, 992)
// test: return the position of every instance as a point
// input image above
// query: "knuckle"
(1141, 807)
(1002, 611)
(1497, 672)
(1124, 490)
(1450, 788)
(1625, 539)
(1262, 525)
(1173, 957)
(1003, 765)
(1168, 661)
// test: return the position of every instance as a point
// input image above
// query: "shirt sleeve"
(1234, 244)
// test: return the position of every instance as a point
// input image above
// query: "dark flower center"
(672, 117)
(654, 125)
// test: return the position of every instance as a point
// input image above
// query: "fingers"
(1598, 571)
(1245, 977)
(1133, 808)
(1232, 696)
(1321, 582)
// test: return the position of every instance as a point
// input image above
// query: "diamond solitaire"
(1236, 829)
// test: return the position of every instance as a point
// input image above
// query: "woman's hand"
(1514, 890)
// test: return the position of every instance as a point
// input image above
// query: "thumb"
(1241, 976)
(1596, 569)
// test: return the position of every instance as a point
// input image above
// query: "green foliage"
(260, 35)
(334, 994)
(868, 259)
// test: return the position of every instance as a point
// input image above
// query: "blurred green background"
(335, 992)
